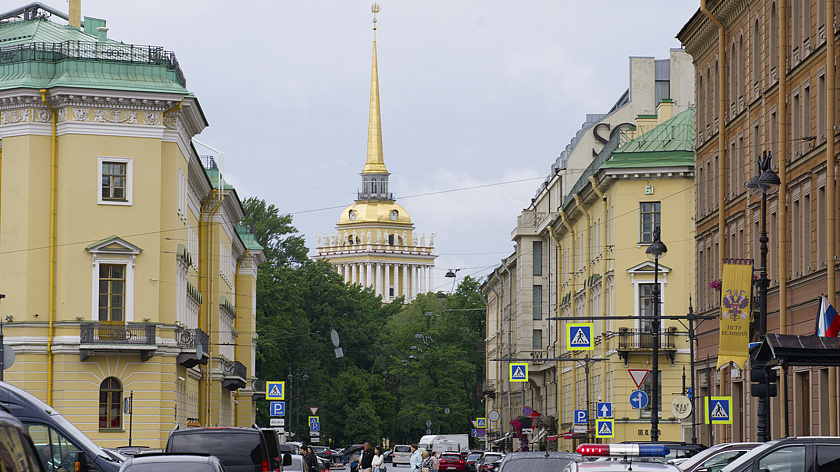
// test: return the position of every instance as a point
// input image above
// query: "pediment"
(648, 267)
(113, 245)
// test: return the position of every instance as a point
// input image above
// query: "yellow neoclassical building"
(374, 243)
(124, 269)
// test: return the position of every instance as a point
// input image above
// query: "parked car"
(489, 461)
(716, 457)
(542, 461)
(290, 448)
(388, 456)
(401, 454)
(472, 457)
(296, 464)
(810, 453)
(60, 443)
(172, 463)
(272, 444)
(17, 446)
(239, 449)
(452, 461)
(323, 452)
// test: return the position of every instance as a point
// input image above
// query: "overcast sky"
(478, 98)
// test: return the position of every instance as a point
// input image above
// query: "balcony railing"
(642, 340)
(109, 337)
(194, 343)
(235, 374)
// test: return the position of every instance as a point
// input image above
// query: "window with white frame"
(113, 280)
(649, 217)
(115, 175)
(227, 265)
(183, 191)
(192, 246)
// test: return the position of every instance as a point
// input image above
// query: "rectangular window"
(806, 232)
(112, 292)
(645, 305)
(537, 302)
(538, 345)
(821, 227)
(537, 257)
(649, 214)
(113, 180)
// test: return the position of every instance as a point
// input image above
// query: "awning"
(540, 435)
(552, 437)
(503, 438)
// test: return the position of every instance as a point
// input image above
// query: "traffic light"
(763, 382)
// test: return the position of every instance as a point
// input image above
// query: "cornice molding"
(701, 38)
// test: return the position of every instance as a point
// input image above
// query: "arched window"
(110, 404)
(755, 59)
(742, 76)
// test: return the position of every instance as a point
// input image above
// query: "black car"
(239, 449)
(472, 457)
(272, 443)
(810, 453)
(489, 462)
(542, 461)
(172, 463)
(323, 452)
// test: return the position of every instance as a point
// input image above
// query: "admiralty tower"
(375, 243)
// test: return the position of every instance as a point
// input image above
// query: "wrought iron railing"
(642, 340)
(117, 334)
(190, 338)
(233, 368)
(95, 51)
(240, 370)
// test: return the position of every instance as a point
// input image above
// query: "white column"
(353, 279)
(368, 274)
(414, 286)
(377, 279)
(429, 269)
(386, 295)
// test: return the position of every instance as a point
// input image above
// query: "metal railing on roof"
(93, 51)
(616, 139)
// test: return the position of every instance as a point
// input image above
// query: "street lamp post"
(765, 182)
(298, 375)
(656, 250)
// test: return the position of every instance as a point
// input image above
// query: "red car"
(452, 461)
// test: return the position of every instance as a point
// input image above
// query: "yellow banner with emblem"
(735, 312)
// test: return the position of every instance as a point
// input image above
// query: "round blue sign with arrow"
(638, 399)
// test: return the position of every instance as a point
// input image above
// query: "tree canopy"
(402, 364)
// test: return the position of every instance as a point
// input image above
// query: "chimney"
(76, 13)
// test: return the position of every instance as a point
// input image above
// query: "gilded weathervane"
(375, 9)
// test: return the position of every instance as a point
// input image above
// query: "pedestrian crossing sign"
(605, 428)
(314, 424)
(579, 336)
(481, 423)
(518, 371)
(275, 390)
(718, 410)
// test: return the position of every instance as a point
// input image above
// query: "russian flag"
(828, 323)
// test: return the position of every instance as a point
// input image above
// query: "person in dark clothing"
(365, 459)
(310, 460)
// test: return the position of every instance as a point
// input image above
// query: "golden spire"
(375, 163)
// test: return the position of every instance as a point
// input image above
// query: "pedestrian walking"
(428, 464)
(378, 462)
(435, 462)
(309, 459)
(416, 459)
(366, 459)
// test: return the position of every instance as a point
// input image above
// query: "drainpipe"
(205, 246)
(499, 319)
(604, 215)
(587, 252)
(721, 89)
(557, 367)
(574, 277)
(830, 192)
(236, 325)
(510, 327)
(781, 201)
(53, 184)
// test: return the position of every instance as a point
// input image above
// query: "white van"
(401, 454)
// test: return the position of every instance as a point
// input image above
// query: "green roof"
(39, 53)
(248, 238)
(675, 134)
(213, 175)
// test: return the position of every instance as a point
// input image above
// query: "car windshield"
(76, 435)
(473, 456)
(232, 448)
(402, 449)
(492, 457)
(170, 466)
(748, 456)
(536, 464)
(697, 458)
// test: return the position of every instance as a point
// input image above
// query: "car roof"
(624, 465)
(155, 458)
(542, 455)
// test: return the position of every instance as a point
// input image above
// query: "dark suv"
(810, 453)
(542, 461)
(239, 449)
(16, 448)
